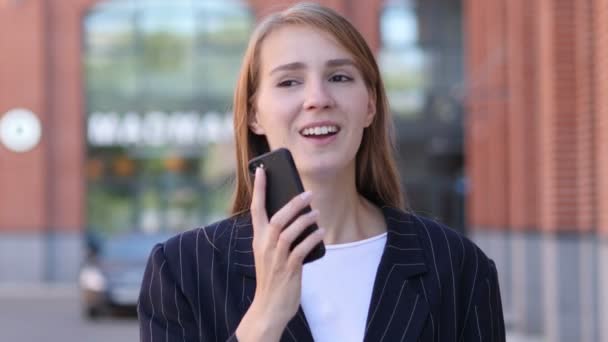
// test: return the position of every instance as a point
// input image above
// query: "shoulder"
(210, 241)
(445, 247)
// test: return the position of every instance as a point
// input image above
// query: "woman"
(310, 83)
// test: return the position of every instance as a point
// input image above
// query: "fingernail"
(321, 231)
(314, 212)
(306, 195)
(258, 170)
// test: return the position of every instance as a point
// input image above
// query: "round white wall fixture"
(20, 130)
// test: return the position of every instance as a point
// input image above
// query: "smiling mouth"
(320, 131)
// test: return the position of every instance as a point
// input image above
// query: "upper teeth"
(319, 130)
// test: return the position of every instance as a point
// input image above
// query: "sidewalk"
(513, 336)
(14, 291)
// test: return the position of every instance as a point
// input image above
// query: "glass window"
(403, 62)
(159, 77)
(421, 58)
(421, 63)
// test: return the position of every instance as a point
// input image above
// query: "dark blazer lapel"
(397, 309)
(242, 251)
(297, 329)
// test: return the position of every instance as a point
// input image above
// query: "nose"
(318, 96)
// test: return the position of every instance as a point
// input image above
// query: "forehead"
(300, 43)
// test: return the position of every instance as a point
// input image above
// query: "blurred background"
(115, 132)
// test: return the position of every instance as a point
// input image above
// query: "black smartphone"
(282, 184)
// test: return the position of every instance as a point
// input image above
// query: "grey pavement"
(31, 313)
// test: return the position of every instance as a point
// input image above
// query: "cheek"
(276, 120)
(361, 111)
(273, 119)
(356, 101)
(276, 111)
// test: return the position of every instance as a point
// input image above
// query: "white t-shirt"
(337, 289)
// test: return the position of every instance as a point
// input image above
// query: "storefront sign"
(156, 129)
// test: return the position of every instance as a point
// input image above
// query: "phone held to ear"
(283, 183)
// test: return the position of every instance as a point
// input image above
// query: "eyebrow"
(299, 65)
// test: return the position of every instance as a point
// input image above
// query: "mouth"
(320, 131)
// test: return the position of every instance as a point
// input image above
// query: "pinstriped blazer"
(432, 284)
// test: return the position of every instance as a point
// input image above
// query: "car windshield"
(133, 248)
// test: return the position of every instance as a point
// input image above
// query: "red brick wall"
(584, 157)
(65, 89)
(600, 89)
(363, 14)
(64, 93)
(40, 70)
(486, 126)
(573, 207)
(497, 100)
(544, 63)
(536, 153)
(521, 112)
(23, 186)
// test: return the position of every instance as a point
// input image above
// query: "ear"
(254, 125)
(371, 110)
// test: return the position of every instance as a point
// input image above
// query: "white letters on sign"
(155, 129)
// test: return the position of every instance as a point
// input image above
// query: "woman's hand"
(278, 270)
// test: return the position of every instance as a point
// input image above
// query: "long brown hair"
(377, 178)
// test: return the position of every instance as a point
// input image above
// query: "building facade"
(118, 119)
(131, 124)
(537, 159)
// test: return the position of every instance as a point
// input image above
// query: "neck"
(343, 213)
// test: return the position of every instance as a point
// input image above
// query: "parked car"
(111, 275)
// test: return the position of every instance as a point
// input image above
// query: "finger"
(293, 231)
(290, 210)
(258, 199)
(299, 253)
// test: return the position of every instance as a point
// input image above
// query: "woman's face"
(311, 99)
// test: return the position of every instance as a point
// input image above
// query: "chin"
(321, 169)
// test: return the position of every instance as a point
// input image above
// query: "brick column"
(566, 116)
(476, 126)
(488, 124)
(65, 87)
(498, 122)
(585, 112)
(600, 88)
(365, 15)
(23, 83)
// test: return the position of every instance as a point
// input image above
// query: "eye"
(288, 83)
(340, 78)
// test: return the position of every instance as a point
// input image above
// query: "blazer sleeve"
(164, 312)
(484, 319)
